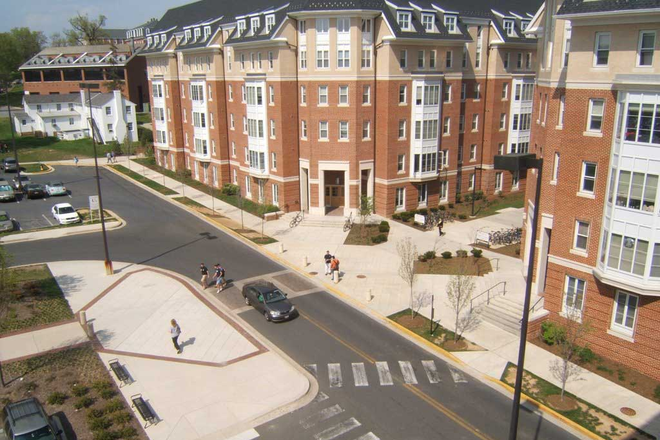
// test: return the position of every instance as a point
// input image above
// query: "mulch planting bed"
(75, 385)
(511, 250)
(362, 236)
(451, 266)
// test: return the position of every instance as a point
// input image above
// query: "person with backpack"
(328, 259)
(205, 275)
(220, 282)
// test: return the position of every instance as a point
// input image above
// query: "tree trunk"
(564, 378)
(456, 327)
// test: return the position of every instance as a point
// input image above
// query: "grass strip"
(189, 202)
(143, 180)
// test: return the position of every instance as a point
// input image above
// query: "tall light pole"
(13, 139)
(521, 162)
(89, 87)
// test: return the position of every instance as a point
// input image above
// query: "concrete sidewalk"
(213, 389)
(370, 278)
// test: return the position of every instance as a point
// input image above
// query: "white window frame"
(303, 129)
(450, 22)
(403, 20)
(555, 168)
(577, 235)
(403, 58)
(509, 27)
(402, 128)
(401, 163)
(366, 95)
(577, 287)
(422, 194)
(343, 131)
(498, 181)
(428, 22)
(641, 50)
(446, 126)
(593, 117)
(343, 95)
(584, 178)
(323, 127)
(622, 328)
(597, 48)
(366, 129)
(400, 199)
(303, 95)
(323, 96)
(562, 110)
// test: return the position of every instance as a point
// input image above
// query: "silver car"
(6, 192)
(27, 419)
(6, 224)
(56, 189)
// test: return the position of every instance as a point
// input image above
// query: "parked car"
(26, 419)
(6, 191)
(269, 301)
(6, 224)
(34, 191)
(56, 189)
(65, 214)
(25, 180)
(9, 164)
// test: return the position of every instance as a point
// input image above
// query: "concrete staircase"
(327, 221)
(504, 313)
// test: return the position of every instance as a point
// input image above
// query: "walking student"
(75, 160)
(328, 259)
(112, 157)
(175, 332)
(334, 267)
(220, 281)
(205, 275)
(441, 224)
(108, 158)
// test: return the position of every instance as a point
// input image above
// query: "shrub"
(114, 406)
(30, 386)
(656, 393)
(107, 393)
(450, 205)
(79, 391)
(446, 255)
(476, 252)
(145, 136)
(434, 210)
(100, 424)
(106, 435)
(83, 402)
(552, 333)
(396, 217)
(56, 398)
(101, 385)
(429, 255)
(422, 211)
(586, 356)
(122, 418)
(384, 227)
(94, 413)
(461, 253)
(462, 216)
(422, 258)
(442, 207)
(380, 238)
(229, 189)
(407, 216)
(458, 198)
(128, 432)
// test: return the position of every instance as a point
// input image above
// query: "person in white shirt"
(175, 332)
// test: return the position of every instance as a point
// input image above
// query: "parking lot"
(36, 213)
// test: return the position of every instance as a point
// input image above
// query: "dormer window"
(524, 24)
(270, 22)
(149, 41)
(207, 32)
(450, 23)
(156, 40)
(322, 25)
(241, 27)
(254, 25)
(366, 26)
(188, 34)
(162, 38)
(427, 22)
(343, 25)
(508, 28)
(403, 19)
(198, 33)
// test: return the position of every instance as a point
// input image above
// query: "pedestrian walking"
(220, 282)
(328, 259)
(441, 224)
(108, 158)
(112, 157)
(175, 332)
(334, 267)
(205, 275)
(75, 160)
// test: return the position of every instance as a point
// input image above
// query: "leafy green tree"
(16, 47)
(85, 30)
(29, 43)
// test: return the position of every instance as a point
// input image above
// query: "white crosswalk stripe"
(408, 372)
(320, 397)
(320, 416)
(456, 375)
(384, 374)
(368, 436)
(334, 374)
(338, 429)
(312, 369)
(360, 374)
(431, 371)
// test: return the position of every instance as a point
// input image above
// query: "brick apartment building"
(309, 105)
(60, 70)
(597, 126)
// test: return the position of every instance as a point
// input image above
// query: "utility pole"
(89, 87)
(13, 140)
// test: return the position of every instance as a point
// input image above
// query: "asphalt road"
(348, 351)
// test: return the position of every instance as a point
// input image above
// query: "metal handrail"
(531, 310)
(487, 292)
(497, 266)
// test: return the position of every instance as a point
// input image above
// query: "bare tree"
(365, 211)
(419, 300)
(85, 30)
(569, 343)
(436, 248)
(459, 293)
(408, 254)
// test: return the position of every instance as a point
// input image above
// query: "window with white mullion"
(643, 123)
(627, 254)
(646, 48)
(596, 111)
(602, 49)
(574, 291)
(581, 235)
(625, 312)
(637, 190)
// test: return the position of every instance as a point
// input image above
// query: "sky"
(51, 16)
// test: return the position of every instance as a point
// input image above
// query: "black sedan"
(269, 301)
(35, 191)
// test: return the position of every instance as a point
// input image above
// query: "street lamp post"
(13, 140)
(521, 162)
(89, 87)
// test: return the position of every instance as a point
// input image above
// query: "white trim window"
(343, 95)
(271, 94)
(303, 95)
(366, 95)
(270, 23)
(343, 57)
(475, 122)
(645, 48)
(343, 25)
(303, 57)
(628, 254)
(588, 178)
(581, 235)
(400, 199)
(432, 59)
(498, 181)
(248, 186)
(450, 23)
(603, 41)
(449, 59)
(254, 25)
(427, 22)
(515, 180)
(471, 180)
(509, 28)
(446, 124)
(447, 93)
(444, 190)
(562, 110)
(403, 58)
(273, 161)
(422, 194)
(403, 20)
(322, 57)
(366, 57)
(505, 91)
(473, 153)
(276, 194)
(323, 95)
(596, 111)
(574, 290)
(555, 168)
(403, 91)
(402, 128)
(270, 60)
(303, 129)
(624, 314)
(502, 121)
(421, 55)
(366, 129)
(272, 129)
(637, 190)
(323, 130)
(343, 130)
(401, 163)
(302, 27)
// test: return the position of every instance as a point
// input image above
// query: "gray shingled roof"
(52, 99)
(587, 7)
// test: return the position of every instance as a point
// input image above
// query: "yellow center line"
(416, 391)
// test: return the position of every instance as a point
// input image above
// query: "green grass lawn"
(143, 118)
(34, 149)
(143, 180)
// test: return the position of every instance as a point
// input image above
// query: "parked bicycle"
(506, 237)
(432, 220)
(348, 224)
(297, 219)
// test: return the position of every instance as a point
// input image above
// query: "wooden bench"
(145, 411)
(119, 371)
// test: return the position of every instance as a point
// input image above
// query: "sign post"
(93, 205)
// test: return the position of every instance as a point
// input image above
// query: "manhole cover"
(313, 273)
(628, 411)
(361, 276)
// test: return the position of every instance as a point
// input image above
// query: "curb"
(44, 235)
(48, 171)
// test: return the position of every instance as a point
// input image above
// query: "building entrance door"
(334, 196)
